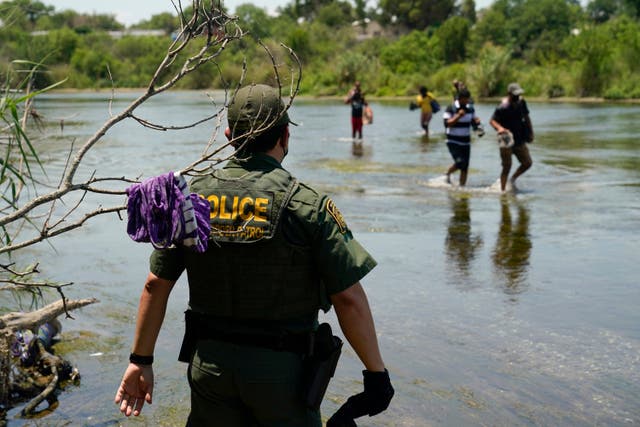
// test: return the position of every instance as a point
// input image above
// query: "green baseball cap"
(256, 106)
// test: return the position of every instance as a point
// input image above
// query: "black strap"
(295, 343)
(300, 343)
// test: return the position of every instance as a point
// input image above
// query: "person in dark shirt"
(512, 115)
(355, 97)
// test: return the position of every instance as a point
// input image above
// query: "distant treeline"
(553, 48)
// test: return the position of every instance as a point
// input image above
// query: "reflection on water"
(357, 148)
(513, 247)
(461, 244)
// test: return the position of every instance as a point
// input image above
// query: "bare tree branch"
(15, 321)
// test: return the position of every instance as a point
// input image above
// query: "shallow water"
(491, 309)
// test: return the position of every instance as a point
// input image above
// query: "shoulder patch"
(332, 209)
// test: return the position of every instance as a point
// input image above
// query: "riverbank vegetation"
(554, 48)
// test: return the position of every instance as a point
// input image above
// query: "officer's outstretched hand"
(375, 398)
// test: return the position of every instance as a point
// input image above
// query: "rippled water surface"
(492, 310)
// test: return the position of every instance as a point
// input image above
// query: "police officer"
(278, 253)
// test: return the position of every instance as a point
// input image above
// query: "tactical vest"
(250, 270)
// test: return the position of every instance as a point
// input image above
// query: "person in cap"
(459, 118)
(278, 253)
(512, 115)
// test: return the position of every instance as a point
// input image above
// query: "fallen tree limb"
(31, 320)
(53, 363)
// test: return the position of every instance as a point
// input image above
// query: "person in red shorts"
(358, 104)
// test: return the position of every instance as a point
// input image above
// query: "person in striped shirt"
(459, 119)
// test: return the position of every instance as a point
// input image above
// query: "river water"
(491, 309)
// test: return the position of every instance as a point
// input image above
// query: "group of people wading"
(510, 119)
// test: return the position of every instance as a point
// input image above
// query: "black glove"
(374, 399)
(413, 106)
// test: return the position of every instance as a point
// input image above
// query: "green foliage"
(624, 88)
(351, 67)
(626, 36)
(19, 152)
(254, 20)
(593, 56)
(492, 28)
(416, 14)
(453, 36)
(468, 10)
(335, 14)
(532, 18)
(163, 21)
(300, 41)
(492, 70)
(415, 52)
(23, 13)
(94, 65)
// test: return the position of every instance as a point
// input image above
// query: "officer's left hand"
(375, 398)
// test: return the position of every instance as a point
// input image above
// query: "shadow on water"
(513, 247)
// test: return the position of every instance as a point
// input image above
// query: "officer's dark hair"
(262, 142)
(423, 90)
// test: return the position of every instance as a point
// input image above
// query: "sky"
(132, 11)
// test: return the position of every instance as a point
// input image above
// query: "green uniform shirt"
(310, 219)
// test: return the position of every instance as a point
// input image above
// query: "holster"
(321, 365)
(190, 339)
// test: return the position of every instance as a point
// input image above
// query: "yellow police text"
(231, 207)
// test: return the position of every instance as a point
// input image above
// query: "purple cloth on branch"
(162, 211)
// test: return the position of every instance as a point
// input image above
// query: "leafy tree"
(468, 10)
(592, 53)
(306, 9)
(360, 10)
(492, 28)
(413, 53)
(92, 63)
(300, 41)
(163, 21)
(61, 44)
(254, 20)
(453, 36)
(417, 14)
(491, 70)
(602, 10)
(64, 19)
(626, 33)
(23, 13)
(335, 14)
(531, 18)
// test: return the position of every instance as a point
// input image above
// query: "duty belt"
(300, 343)
(202, 327)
